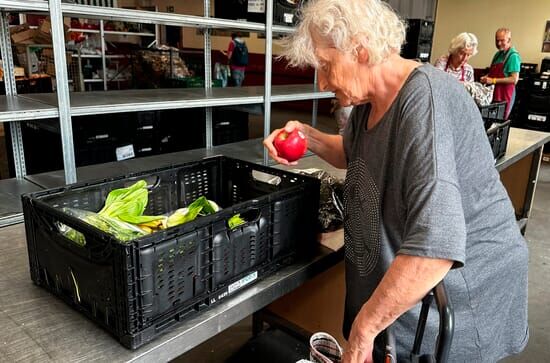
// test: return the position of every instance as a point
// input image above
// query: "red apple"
(290, 146)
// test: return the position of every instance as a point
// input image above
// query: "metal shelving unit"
(102, 33)
(100, 102)
(63, 105)
(16, 108)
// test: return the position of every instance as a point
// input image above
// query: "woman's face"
(463, 55)
(337, 72)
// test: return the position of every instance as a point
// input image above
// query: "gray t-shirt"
(422, 182)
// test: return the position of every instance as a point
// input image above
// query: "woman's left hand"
(359, 347)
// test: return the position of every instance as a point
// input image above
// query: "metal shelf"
(44, 105)
(298, 92)
(137, 16)
(107, 56)
(26, 5)
(10, 193)
(17, 108)
(101, 102)
(281, 29)
(150, 17)
(80, 30)
(111, 32)
(114, 32)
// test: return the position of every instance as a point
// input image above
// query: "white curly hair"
(463, 41)
(345, 25)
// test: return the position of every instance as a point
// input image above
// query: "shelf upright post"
(315, 102)
(208, 76)
(63, 98)
(268, 66)
(103, 58)
(11, 90)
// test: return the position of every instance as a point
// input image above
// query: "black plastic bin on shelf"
(137, 290)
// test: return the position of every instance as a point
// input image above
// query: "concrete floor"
(225, 344)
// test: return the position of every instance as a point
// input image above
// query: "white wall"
(526, 18)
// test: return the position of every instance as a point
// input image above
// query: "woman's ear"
(362, 55)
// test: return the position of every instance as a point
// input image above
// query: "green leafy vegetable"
(129, 201)
(235, 221)
(201, 206)
(122, 215)
(119, 229)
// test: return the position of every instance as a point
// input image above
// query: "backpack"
(239, 57)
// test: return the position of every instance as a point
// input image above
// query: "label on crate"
(242, 282)
(256, 6)
(125, 152)
(288, 17)
(147, 127)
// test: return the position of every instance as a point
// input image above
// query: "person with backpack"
(237, 55)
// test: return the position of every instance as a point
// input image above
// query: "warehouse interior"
(100, 96)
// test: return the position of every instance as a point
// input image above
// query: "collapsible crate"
(229, 126)
(537, 120)
(495, 111)
(498, 138)
(138, 289)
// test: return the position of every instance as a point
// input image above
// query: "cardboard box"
(42, 38)
(50, 69)
(45, 27)
(24, 36)
(19, 28)
(44, 32)
(19, 72)
(50, 64)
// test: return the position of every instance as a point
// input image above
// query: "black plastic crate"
(527, 69)
(137, 290)
(498, 138)
(495, 111)
(537, 120)
(539, 86)
(286, 12)
(230, 126)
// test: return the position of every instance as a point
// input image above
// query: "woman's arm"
(512, 78)
(406, 282)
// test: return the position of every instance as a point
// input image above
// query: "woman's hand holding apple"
(288, 144)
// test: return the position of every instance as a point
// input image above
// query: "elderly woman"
(462, 47)
(422, 198)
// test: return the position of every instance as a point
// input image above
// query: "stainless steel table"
(521, 142)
